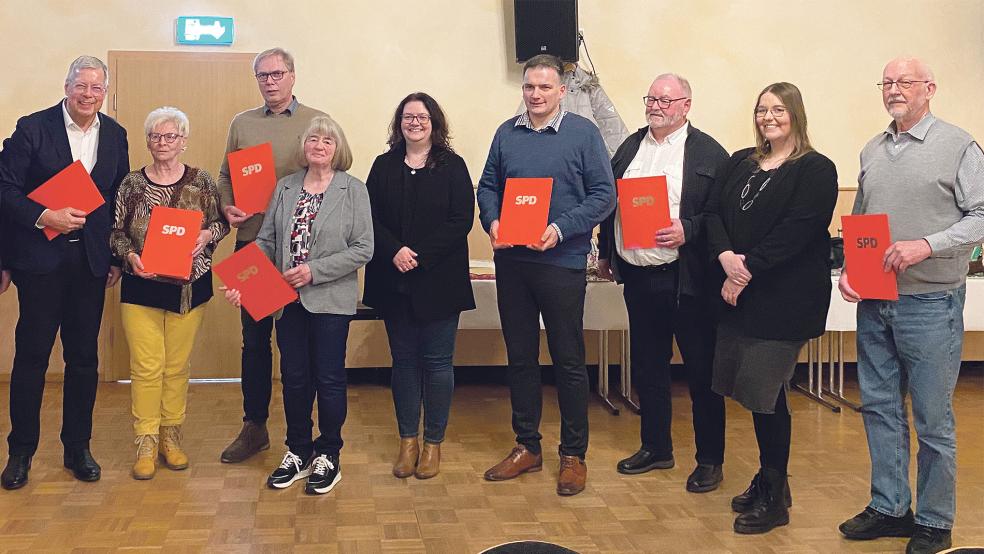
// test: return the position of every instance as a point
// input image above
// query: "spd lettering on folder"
(525, 208)
(644, 208)
(866, 237)
(253, 176)
(263, 289)
(171, 236)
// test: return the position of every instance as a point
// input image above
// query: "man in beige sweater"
(281, 121)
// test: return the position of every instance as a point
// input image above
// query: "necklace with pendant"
(415, 166)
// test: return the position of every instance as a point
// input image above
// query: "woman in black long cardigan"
(768, 229)
(423, 205)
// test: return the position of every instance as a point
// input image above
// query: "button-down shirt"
(554, 123)
(288, 111)
(652, 159)
(84, 144)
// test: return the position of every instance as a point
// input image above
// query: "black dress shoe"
(872, 524)
(928, 540)
(641, 462)
(15, 474)
(705, 478)
(83, 465)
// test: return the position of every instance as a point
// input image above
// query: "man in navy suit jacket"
(60, 283)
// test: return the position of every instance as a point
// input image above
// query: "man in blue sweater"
(547, 278)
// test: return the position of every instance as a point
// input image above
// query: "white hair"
(684, 84)
(164, 115)
(86, 62)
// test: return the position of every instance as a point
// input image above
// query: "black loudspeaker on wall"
(546, 27)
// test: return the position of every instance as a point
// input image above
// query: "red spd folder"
(866, 237)
(525, 208)
(644, 208)
(263, 289)
(253, 176)
(71, 187)
(171, 236)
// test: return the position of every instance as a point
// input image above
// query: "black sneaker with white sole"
(293, 468)
(325, 474)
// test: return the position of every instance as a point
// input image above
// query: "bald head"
(907, 87)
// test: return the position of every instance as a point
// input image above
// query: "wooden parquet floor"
(227, 508)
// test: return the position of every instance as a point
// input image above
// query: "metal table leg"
(812, 392)
(839, 394)
(603, 372)
(627, 374)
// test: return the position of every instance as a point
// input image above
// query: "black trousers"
(257, 364)
(656, 315)
(70, 298)
(525, 290)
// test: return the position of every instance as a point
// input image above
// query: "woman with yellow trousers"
(161, 315)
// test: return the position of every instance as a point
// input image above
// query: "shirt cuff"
(560, 234)
(37, 223)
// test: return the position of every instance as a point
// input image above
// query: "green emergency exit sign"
(194, 29)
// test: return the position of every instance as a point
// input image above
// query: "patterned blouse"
(138, 195)
(300, 236)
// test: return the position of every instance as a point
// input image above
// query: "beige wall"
(357, 59)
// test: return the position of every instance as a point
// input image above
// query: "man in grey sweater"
(281, 121)
(928, 176)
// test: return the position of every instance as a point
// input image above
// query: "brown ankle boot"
(406, 462)
(430, 461)
(252, 439)
(170, 447)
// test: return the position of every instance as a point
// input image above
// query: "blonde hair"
(793, 101)
(325, 126)
(167, 114)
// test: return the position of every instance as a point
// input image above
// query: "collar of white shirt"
(672, 138)
(70, 123)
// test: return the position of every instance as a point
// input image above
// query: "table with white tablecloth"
(604, 311)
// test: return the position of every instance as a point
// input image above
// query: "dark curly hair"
(440, 133)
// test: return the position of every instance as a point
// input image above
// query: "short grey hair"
(684, 84)
(278, 51)
(325, 126)
(86, 62)
(167, 114)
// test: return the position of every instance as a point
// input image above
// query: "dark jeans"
(70, 298)
(257, 364)
(423, 371)
(656, 315)
(525, 290)
(312, 363)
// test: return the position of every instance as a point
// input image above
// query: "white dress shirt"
(84, 144)
(654, 159)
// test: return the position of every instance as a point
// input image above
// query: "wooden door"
(211, 88)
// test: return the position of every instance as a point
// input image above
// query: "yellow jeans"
(160, 345)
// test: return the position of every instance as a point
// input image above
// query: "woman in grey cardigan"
(318, 231)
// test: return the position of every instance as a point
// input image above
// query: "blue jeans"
(312, 364)
(912, 347)
(423, 371)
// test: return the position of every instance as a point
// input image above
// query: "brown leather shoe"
(430, 461)
(252, 439)
(406, 460)
(573, 475)
(518, 462)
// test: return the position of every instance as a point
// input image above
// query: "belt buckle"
(74, 240)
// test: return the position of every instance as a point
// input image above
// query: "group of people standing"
(741, 280)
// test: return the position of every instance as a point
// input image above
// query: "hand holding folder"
(71, 188)
(644, 208)
(254, 177)
(525, 209)
(866, 237)
(262, 288)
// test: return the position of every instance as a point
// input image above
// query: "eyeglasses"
(777, 111)
(423, 118)
(902, 83)
(81, 88)
(275, 75)
(168, 137)
(664, 103)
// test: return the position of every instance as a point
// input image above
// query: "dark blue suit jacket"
(36, 151)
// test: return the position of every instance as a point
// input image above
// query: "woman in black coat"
(423, 206)
(767, 226)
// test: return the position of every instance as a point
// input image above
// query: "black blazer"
(36, 151)
(701, 157)
(786, 247)
(444, 211)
